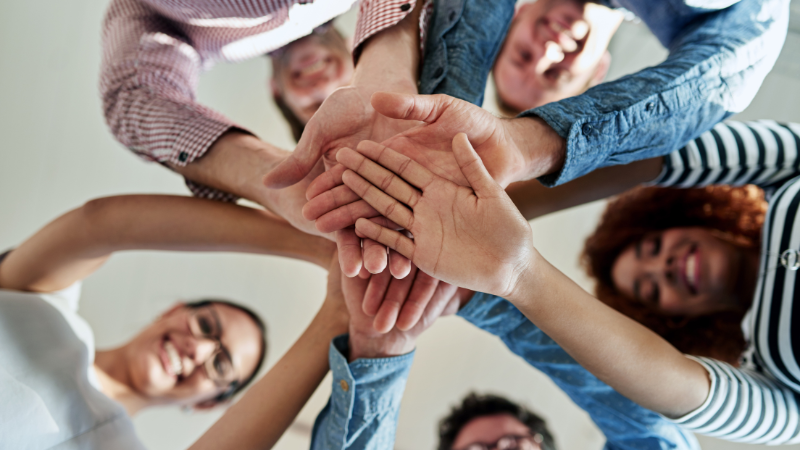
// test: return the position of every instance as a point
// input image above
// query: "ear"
(602, 69)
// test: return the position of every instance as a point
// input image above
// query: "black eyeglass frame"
(534, 439)
(229, 386)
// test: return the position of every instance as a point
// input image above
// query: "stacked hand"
(472, 237)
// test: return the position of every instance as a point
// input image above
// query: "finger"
(381, 166)
(399, 265)
(326, 181)
(426, 108)
(375, 256)
(376, 291)
(349, 246)
(443, 302)
(472, 167)
(392, 302)
(383, 203)
(295, 167)
(345, 216)
(328, 201)
(364, 273)
(393, 239)
(421, 293)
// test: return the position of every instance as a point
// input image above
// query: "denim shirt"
(365, 415)
(719, 54)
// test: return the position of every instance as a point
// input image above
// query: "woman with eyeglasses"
(727, 252)
(57, 390)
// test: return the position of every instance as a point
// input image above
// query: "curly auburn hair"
(737, 212)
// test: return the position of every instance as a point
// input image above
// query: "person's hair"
(331, 35)
(237, 387)
(475, 405)
(736, 213)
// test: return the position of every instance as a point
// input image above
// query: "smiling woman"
(57, 390)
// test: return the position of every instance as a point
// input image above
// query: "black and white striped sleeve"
(745, 406)
(737, 153)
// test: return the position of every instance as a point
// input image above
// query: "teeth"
(314, 67)
(174, 358)
(553, 52)
(691, 262)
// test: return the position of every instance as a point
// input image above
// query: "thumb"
(297, 165)
(472, 167)
(426, 108)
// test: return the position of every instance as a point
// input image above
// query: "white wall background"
(56, 153)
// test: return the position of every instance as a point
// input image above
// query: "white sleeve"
(68, 297)
(763, 153)
(745, 406)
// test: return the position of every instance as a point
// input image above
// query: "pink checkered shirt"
(155, 50)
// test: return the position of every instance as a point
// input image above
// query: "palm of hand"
(458, 235)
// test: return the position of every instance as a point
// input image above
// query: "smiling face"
(554, 49)
(308, 70)
(685, 271)
(167, 361)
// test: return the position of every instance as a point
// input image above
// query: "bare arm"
(264, 413)
(535, 200)
(76, 244)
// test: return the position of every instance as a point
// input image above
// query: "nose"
(661, 267)
(198, 351)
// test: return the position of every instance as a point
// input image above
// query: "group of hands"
(411, 188)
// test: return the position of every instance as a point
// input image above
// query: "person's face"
(309, 70)
(682, 271)
(167, 360)
(553, 50)
(489, 429)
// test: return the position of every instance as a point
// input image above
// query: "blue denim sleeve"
(463, 40)
(365, 401)
(626, 425)
(716, 64)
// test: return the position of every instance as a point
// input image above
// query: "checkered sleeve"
(148, 80)
(377, 15)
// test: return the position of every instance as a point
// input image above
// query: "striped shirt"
(155, 50)
(757, 402)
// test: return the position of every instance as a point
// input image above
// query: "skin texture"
(686, 271)
(309, 70)
(554, 49)
(488, 429)
(141, 364)
(475, 238)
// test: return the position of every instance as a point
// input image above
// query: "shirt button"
(344, 385)
(587, 129)
(649, 106)
(405, 7)
(183, 157)
(438, 72)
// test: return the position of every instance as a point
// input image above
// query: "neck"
(112, 372)
(748, 277)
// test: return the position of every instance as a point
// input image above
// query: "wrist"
(529, 281)
(369, 346)
(543, 150)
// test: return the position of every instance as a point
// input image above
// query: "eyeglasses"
(204, 323)
(509, 442)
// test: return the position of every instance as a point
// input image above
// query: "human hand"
(511, 150)
(471, 237)
(366, 341)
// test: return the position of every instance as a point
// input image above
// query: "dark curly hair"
(737, 212)
(474, 406)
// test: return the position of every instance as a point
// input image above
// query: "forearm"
(76, 244)
(714, 69)
(535, 200)
(264, 413)
(622, 353)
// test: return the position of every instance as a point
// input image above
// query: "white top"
(49, 393)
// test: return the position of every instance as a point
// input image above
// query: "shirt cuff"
(366, 387)
(198, 135)
(698, 415)
(493, 314)
(377, 15)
